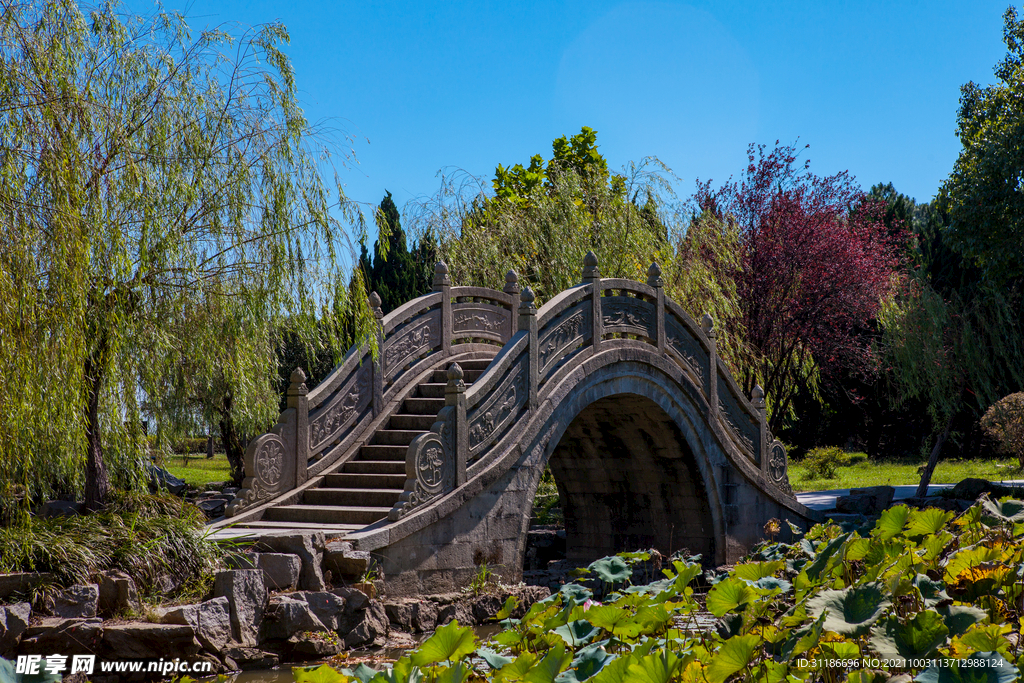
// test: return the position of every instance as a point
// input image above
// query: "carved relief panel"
(564, 332)
(628, 315)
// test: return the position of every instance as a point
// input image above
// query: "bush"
(1003, 422)
(822, 462)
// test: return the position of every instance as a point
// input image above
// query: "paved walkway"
(826, 500)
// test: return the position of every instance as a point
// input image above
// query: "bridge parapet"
(319, 426)
(552, 342)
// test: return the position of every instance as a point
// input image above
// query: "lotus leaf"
(982, 667)
(851, 611)
(732, 656)
(918, 637)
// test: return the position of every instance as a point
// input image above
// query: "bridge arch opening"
(628, 480)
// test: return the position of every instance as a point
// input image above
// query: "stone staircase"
(363, 489)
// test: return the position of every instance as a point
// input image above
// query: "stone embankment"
(276, 605)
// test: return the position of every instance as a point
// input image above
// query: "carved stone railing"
(321, 425)
(570, 327)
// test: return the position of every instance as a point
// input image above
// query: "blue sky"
(872, 87)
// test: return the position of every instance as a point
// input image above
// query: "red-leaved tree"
(817, 260)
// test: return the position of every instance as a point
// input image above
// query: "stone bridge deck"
(430, 454)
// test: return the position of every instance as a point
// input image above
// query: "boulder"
(282, 570)
(247, 597)
(249, 658)
(413, 616)
(328, 607)
(310, 549)
(456, 611)
(64, 636)
(246, 560)
(400, 614)
(118, 594)
(320, 645)
(13, 624)
(159, 478)
(184, 615)
(485, 607)
(20, 583)
(285, 617)
(345, 563)
(212, 507)
(149, 641)
(213, 624)
(365, 627)
(76, 602)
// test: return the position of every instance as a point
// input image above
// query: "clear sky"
(872, 87)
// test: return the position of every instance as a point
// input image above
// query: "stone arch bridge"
(430, 454)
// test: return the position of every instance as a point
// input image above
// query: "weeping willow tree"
(958, 352)
(163, 212)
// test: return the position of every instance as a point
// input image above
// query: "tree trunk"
(97, 483)
(232, 443)
(933, 459)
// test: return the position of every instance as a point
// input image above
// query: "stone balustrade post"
(443, 284)
(707, 324)
(654, 280)
(757, 400)
(592, 276)
(512, 289)
(297, 400)
(377, 367)
(455, 397)
(528, 322)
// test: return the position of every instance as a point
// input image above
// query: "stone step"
(374, 467)
(395, 437)
(431, 390)
(383, 452)
(404, 421)
(468, 376)
(375, 497)
(477, 364)
(314, 526)
(351, 480)
(422, 406)
(327, 514)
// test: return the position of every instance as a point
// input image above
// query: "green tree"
(393, 275)
(983, 194)
(162, 213)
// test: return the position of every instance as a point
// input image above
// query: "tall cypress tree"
(395, 275)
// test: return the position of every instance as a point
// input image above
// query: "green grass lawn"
(199, 471)
(859, 471)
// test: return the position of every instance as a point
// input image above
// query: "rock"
(485, 607)
(184, 615)
(424, 617)
(286, 616)
(159, 478)
(64, 636)
(364, 627)
(213, 627)
(212, 507)
(20, 583)
(60, 508)
(354, 599)
(310, 549)
(314, 645)
(281, 569)
(241, 560)
(13, 624)
(166, 584)
(118, 594)
(328, 607)
(458, 611)
(76, 602)
(344, 562)
(230, 491)
(247, 597)
(148, 641)
(971, 489)
(249, 658)
(400, 614)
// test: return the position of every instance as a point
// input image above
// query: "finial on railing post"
(377, 367)
(707, 324)
(297, 391)
(512, 289)
(590, 269)
(654, 275)
(528, 322)
(443, 284)
(654, 280)
(757, 400)
(455, 397)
